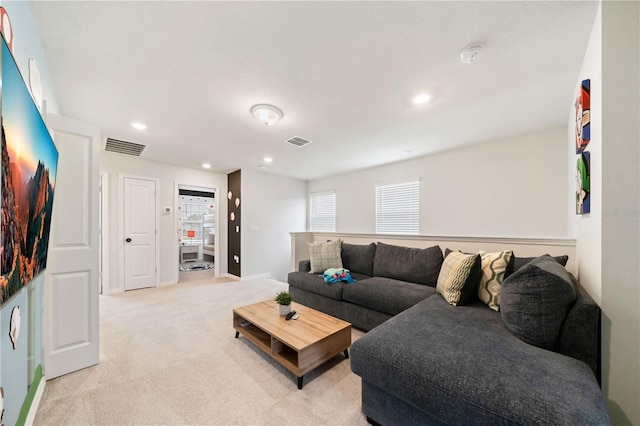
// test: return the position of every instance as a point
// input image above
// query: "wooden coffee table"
(298, 345)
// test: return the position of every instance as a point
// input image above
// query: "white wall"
(272, 207)
(507, 188)
(620, 204)
(115, 165)
(27, 45)
(587, 228)
(608, 239)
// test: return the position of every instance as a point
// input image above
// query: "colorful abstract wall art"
(583, 183)
(29, 164)
(583, 116)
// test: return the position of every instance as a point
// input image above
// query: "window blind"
(398, 208)
(322, 208)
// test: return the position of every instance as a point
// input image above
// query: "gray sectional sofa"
(425, 361)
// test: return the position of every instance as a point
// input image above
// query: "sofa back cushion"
(358, 258)
(580, 334)
(414, 265)
(516, 263)
(535, 301)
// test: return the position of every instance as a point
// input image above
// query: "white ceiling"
(343, 73)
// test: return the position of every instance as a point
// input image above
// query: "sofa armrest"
(304, 265)
(580, 334)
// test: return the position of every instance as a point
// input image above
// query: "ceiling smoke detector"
(470, 53)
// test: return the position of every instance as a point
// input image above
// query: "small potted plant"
(284, 299)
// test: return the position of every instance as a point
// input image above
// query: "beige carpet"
(169, 356)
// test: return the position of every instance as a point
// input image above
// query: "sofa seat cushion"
(315, 284)
(408, 264)
(461, 363)
(385, 294)
(358, 276)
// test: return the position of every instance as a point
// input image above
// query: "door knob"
(128, 240)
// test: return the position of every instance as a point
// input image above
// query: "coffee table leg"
(237, 334)
(346, 353)
(300, 382)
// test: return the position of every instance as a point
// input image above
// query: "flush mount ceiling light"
(268, 160)
(206, 165)
(266, 114)
(137, 125)
(470, 53)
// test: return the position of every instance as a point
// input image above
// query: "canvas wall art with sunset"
(29, 162)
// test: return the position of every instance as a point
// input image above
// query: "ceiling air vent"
(296, 141)
(124, 147)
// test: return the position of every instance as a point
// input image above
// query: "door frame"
(121, 178)
(104, 233)
(216, 238)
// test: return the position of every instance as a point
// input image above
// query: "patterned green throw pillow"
(493, 267)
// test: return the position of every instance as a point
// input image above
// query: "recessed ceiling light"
(138, 125)
(268, 159)
(206, 165)
(422, 98)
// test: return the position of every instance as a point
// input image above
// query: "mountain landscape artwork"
(29, 162)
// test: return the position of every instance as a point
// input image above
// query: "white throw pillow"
(325, 255)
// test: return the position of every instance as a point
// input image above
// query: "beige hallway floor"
(168, 356)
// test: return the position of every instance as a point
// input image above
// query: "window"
(322, 208)
(398, 208)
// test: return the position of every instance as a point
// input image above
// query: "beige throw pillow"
(324, 256)
(493, 267)
(454, 275)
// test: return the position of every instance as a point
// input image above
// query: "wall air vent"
(296, 141)
(124, 147)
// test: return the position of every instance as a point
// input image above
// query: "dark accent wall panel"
(234, 207)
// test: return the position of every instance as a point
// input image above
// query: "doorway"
(196, 226)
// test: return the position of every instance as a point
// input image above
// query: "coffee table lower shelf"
(303, 353)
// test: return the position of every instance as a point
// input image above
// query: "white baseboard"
(256, 277)
(31, 416)
(249, 277)
(164, 283)
(233, 277)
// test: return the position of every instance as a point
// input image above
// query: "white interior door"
(71, 336)
(139, 233)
